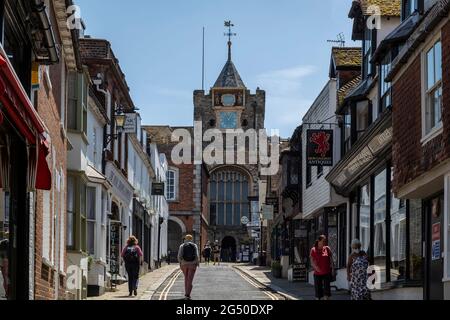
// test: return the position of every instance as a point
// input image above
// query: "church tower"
(230, 105)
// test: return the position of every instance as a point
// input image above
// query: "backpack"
(189, 252)
(131, 255)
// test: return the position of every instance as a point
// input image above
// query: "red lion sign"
(320, 151)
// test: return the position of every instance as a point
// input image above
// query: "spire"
(229, 77)
(229, 34)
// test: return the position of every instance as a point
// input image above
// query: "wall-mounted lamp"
(119, 119)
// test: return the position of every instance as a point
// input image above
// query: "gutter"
(40, 8)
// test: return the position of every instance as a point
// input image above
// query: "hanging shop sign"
(114, 255)
(130, 125)
(320, 148)
(157, 188)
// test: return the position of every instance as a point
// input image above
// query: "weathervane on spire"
(229, 34)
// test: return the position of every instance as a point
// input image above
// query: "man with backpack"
(133, 258)
(189, 261)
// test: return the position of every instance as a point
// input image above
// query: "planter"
(276, 272)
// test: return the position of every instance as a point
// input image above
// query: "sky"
(281, 46)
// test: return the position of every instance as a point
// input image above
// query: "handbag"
(333, 269)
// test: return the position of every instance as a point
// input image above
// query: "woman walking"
(132, 256)
(357, 265)
(321, 261)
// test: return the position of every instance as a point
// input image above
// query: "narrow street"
(211, 282)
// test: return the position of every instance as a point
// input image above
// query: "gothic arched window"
(228, 198)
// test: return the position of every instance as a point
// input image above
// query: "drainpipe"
(40, 9)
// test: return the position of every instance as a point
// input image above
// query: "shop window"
(364, 217)
(432, 115)
(415, 240)
(398, 237)
(380, 223)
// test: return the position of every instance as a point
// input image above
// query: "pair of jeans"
(189, 273)
(133, 276)
(322, 286)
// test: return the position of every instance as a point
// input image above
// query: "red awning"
(19, 110)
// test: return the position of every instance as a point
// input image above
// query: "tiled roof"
(347, 88)
(229, 77)
(390, 8)
(347, 57)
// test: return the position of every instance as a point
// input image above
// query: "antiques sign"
(320, 148)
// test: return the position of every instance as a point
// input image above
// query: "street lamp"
(119, 119)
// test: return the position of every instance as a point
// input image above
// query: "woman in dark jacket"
(132, 256)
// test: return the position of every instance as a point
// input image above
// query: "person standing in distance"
(189, 261)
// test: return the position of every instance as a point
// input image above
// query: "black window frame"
(308, 176)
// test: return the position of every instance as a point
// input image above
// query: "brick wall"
(48, 110)
(410, 158)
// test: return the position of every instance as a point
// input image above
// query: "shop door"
(434, 287)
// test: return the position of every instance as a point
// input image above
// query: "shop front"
(389, 229)
(23, 170)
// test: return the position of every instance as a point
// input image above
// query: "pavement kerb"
(270, 286)
(150, 291)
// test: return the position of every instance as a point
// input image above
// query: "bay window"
(91, 219)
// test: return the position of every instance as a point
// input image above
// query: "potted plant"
(276, 269)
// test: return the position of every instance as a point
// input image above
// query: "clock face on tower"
(228, 100)
(228, 120)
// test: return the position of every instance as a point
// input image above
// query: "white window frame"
(90, 187)
(438, 128)
(176, 184)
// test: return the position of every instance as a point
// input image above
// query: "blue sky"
(281, 47)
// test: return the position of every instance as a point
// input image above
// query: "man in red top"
(321, 261)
